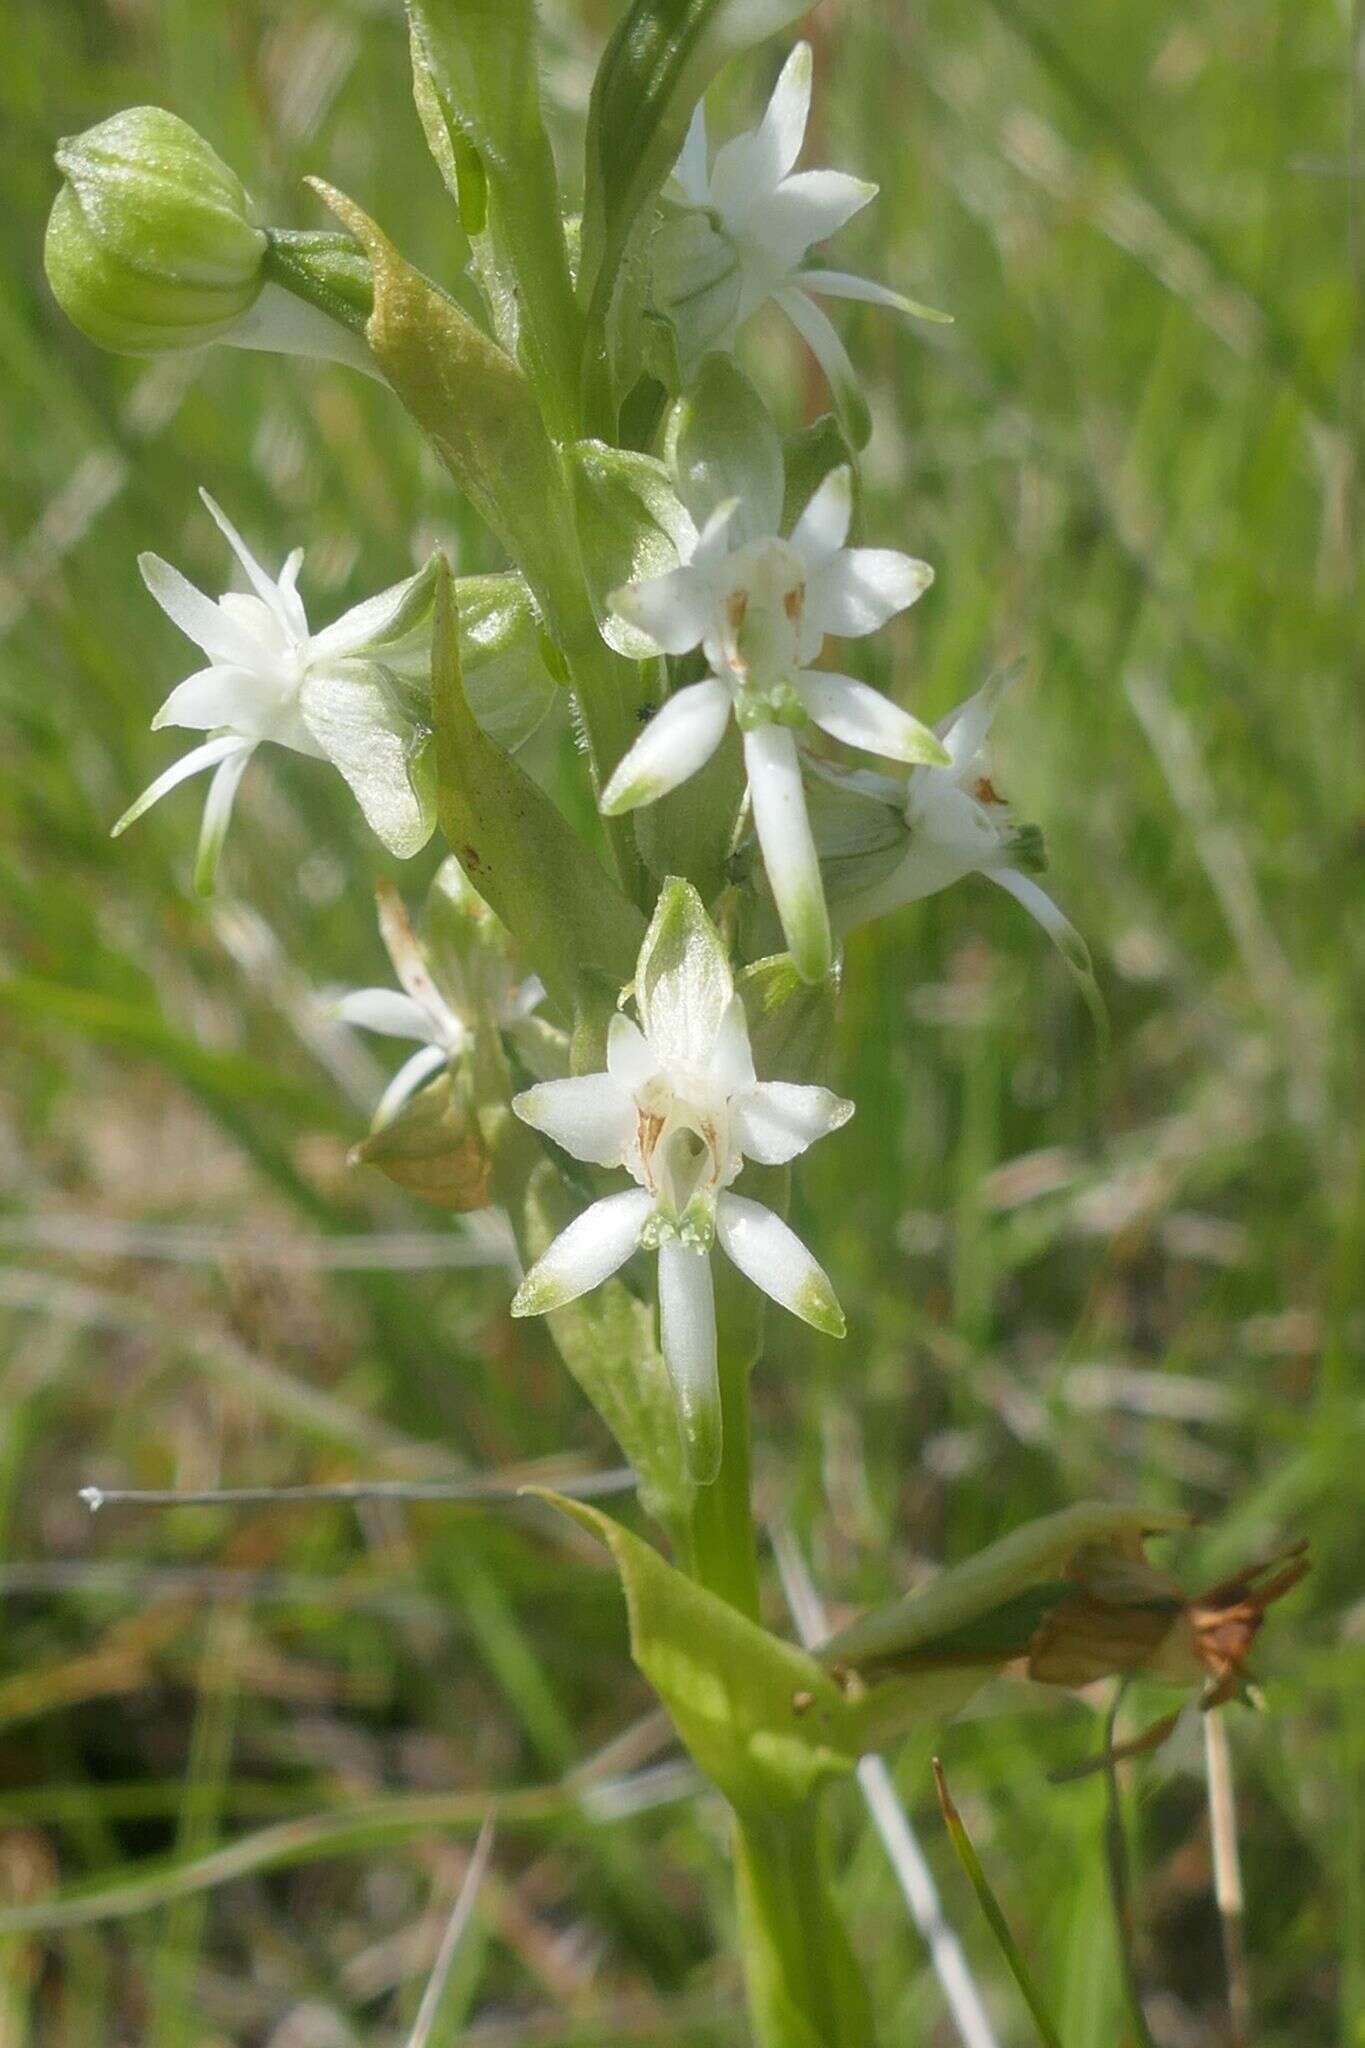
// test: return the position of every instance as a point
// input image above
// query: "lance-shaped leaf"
(759, 1715)
(475, 407)
(654, 70)
(517, 849)
(608, 1341)
(631, 526)
(434, 1148)
(476, 78)
(978, 1609)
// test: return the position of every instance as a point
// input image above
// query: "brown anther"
(794, 602)
(802, 1702)
(985, 791)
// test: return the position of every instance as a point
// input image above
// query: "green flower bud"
(151, 245)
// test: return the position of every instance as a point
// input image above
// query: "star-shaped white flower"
(680, 1108)
(441, 1013)
(753, 219)
(955, 822)
(269, 679)
(761, 608)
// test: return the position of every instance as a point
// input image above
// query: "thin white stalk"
(1227, 1872)
(892, 1822)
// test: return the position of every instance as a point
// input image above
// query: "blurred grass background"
(1134, 459)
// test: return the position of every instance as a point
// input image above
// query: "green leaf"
(808, 457)
(475, 407)
(791, 1021)
(654, 70)
(609, 1343)
(922, 1621)
(517, 849)
(434, 1148)
(631, 526)
(759, 1715)
(683, 983)
(721, 443)
(476, 79)
(990, 1906)
(503, 657)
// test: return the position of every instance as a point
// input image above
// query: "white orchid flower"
(955, 822)
(270, 679)
(680, 1108)
(760, 607)
(441, 1012)
(751, 220)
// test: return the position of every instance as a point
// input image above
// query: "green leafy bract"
(722, 445)
(631, 526)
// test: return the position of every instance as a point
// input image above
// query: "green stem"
(805, 1989)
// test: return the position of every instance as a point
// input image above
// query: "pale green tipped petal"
(840, 284)
(242, 699)
(587, 1253)
(859, 589)
(1064, 937)
(210, 755)
(679, 739)
(776, 1120)
(591, 1115)
(788, 848)
(823, 527)
(687, 1338)
(672, 610)
(817, 331)
(217, 817)
(774, 1258)
(197, 616)
(861, 717)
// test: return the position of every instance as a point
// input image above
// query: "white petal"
(690, 169)
(718, 537)
(282, 597)
(965, 730)
(778, 1119)
(806, 208)
(359, 628)
(859, 589)
(384, 1010)
(862, 717)
(411, 1076)
(687, 1335)
(630, 1060)
(585, 1254)
(732, 1059)
(199, 758)
(774, 1258)
(245, 700)
(590, 1115)
(197, 616)
(820, 337)
(1064, 937)
(217, 817)
(679, 739)
(822, 528)
(841, 284)
(783, 127)
(789, 855)
(671, 610)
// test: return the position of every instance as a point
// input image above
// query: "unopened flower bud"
(151, 244)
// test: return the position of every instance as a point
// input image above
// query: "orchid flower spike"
(748, 223)
(680, 1108)
(269, 678)
(948, 821)
(760, 607)
(448, 989)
